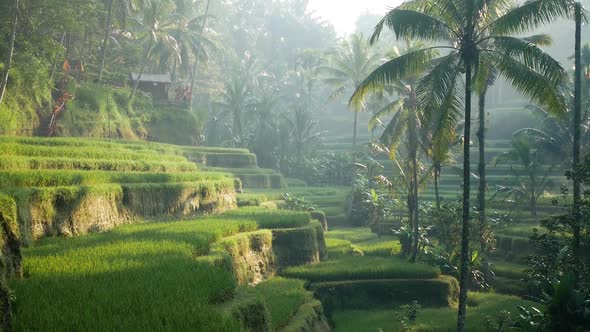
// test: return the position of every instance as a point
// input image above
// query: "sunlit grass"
(24, 163)
(359, 268)
(386, 246)
(481, 305)
(283, 297)
(50, 178)
(141, 277)
(352, 234)
(271, 219)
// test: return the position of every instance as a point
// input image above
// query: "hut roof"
(157, 78)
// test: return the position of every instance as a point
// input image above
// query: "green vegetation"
(358, 268)
(481, 305)
(271, 219)
(25, 163)
(53, 178)
(115, 269)
(283, 297)
(268, 180)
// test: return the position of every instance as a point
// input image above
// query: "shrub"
(251, 199)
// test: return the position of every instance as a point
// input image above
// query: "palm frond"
(531, 15)
(536, 86)
(385, 111)
(434, 88)
(411, 24)
(531, 56)
(485, 73)
(394, 131)
(448, 11)
(394, 70)
(539, 40)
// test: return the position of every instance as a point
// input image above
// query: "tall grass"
(136, 277)
(283, 297)
(11, 149)
(24, 163)
(119, 144)
(50, 178)
(271, 219)
(360, 268)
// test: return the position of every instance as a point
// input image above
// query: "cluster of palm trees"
(272, 116)
(468, 44)
(170, 34)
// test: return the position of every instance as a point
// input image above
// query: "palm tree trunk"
(105, 42)
(195, 65)
(4, 81)
(143, 65)
(481, 170)
(83, 54)
(464, 277)
(437, 169)
(577, 131)
(356, 120)
(414, 190)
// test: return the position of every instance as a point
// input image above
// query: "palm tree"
(482, 85)
(238, 97)
(197, 54)
(154, 32)
(440, 152)
(128, 6)
(348, 65)
(531, 177)
(192, 43)
(464, 27)
(577, 190)
(408, 120)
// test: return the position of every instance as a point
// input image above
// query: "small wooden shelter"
(158, 85)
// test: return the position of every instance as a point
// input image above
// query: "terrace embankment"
(71, 186)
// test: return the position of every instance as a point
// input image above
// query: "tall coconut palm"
(126, 7)
(236, 99)
(576, 124)
(197, 53)
(438, 151)
(407, 120)
(192, 44)
(488, 76)
(348, 66)
(464, 27)
(153, 31)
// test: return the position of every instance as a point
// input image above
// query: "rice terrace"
(295, 165)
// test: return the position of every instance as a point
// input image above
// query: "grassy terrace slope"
(89, 154)
(183, 275)
(136, 277)
(66, 186)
